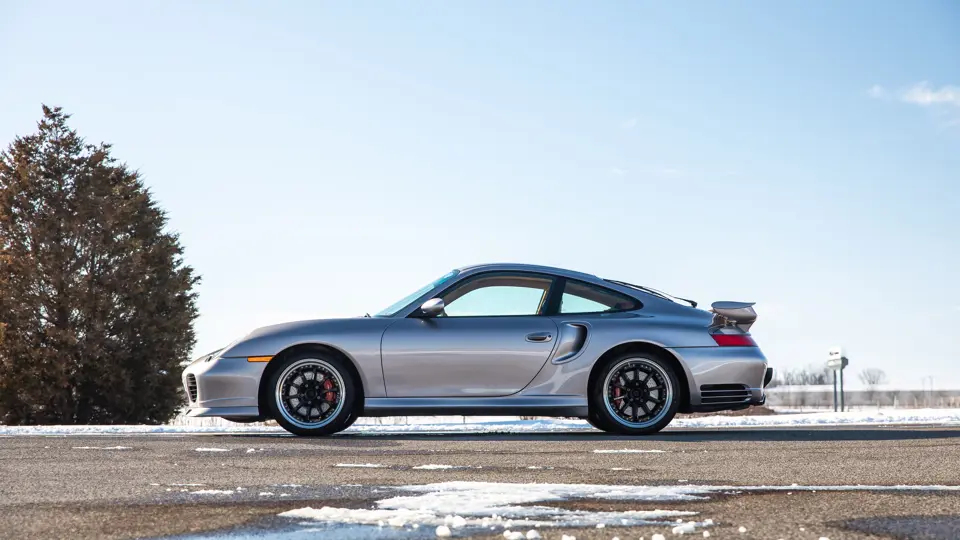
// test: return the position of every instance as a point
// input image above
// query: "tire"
(351, 420)
(630, 384)
(597, 422)
(307, 381)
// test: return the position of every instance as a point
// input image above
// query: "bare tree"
(871, 378)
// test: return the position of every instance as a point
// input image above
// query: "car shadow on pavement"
(849, 433)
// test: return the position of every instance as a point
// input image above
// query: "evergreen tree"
(95, 299)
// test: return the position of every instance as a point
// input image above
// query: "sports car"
(494, 339)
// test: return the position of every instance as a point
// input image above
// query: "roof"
(648, 299)
(531, 268)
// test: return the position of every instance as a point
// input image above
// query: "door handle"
(539, 337)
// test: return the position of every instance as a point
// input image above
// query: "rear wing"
(740, 314)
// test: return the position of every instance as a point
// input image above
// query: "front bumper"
(724, 378)
(223, 387)
(226, 412)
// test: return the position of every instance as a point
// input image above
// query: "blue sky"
(325, 159)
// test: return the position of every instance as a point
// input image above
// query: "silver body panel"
(482, 365)
(463, 356)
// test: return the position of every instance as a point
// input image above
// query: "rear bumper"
(724, 378)
(768, 377)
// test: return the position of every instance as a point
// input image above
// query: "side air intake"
(724, 394)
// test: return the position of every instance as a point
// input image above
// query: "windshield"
(394, 308)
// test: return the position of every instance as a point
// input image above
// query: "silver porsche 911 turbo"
(494, 339)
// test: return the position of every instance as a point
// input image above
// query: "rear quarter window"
(579, 297)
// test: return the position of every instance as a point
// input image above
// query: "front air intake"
(724, 394)
(192, 387)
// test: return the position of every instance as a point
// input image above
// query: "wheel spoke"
(646, 410)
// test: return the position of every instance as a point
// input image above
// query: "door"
(490, 341)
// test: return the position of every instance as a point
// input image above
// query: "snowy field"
(506, 424)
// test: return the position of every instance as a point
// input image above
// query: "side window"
(497, 295)
(583, 298)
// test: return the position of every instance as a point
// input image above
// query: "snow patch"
(479, 506)
(515, 425)
(212, 492)
(432, 467)
(484, 504)
(212, 449)
(629, 451)
(686, 527)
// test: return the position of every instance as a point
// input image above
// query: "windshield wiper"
(654, 292)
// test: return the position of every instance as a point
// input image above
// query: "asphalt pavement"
(235, 485)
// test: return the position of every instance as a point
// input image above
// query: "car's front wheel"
(635, 394)
(312, 394)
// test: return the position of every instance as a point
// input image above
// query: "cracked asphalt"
(147, 485)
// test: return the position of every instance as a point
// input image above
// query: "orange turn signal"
(259, 358)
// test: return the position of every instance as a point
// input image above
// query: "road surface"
(231, 485)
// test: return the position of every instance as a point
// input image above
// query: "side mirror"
(432, 307)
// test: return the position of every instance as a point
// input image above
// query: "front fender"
(358, 339)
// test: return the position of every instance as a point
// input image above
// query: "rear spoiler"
(740, 314)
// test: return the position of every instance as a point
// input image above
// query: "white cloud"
(877, 91)
(617, 171)
(922, 94)
(629, 123)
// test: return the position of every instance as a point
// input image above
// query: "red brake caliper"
(327, 385)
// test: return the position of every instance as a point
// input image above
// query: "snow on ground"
(458, 505)
(628, 451)
(368, 426)
(490, 505)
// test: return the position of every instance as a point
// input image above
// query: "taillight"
(734, 340)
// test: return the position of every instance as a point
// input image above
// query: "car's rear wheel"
(635, 394)
(312, 394)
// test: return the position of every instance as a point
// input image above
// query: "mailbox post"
(836, 361)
